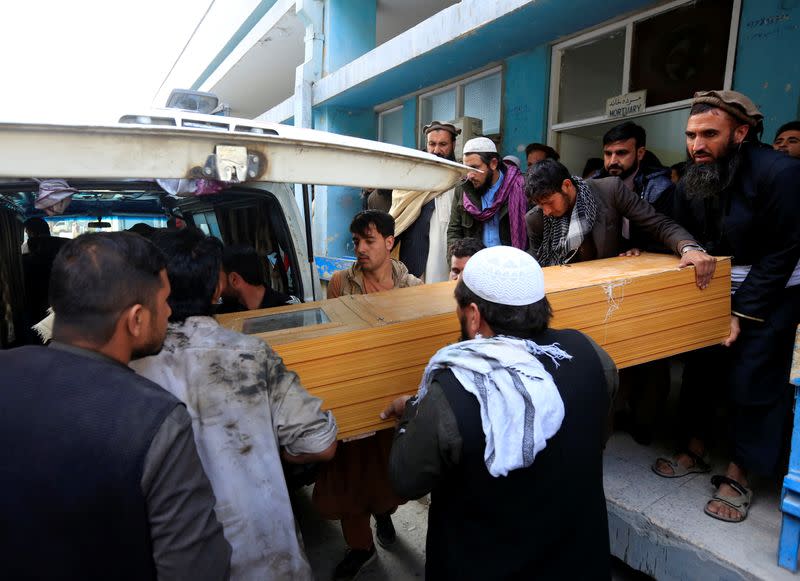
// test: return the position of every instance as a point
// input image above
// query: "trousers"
(752, 379)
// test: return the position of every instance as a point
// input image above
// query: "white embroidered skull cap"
(504, 275)
(479, 145)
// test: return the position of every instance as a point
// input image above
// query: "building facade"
(529, 70)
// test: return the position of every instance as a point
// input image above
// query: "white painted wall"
(396, 16)
(216, 29)
(260, 72)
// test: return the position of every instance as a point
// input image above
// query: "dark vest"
(75, 431)
(546, 521)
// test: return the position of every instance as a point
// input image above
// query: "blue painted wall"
(526, 80)
(767, 61)
(767, 70)
(530, 26)
(342, 203)
(350, 28)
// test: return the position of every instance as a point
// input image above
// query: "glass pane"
(392, 127)
(439, 107)
(482, 100)
(280, 321)
(681, 51)
(213, 225)
(590, 74)
(665, 139)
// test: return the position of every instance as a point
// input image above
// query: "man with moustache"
(644, 388)
(493, 205)
(625, 156)
(421, 218)
(787, 139)
(536, 152)
(740, 198)
(507, 433)
(576, 220)
(375, 270)
(100, 469)
(247, 284)
(355, 485)
(460, 253)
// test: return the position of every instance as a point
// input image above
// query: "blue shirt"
(491, 228)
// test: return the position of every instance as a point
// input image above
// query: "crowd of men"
(169, 438)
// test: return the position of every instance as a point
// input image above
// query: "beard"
(449, 157)
(478, 190)
(147, 351)
(462, 321)
(153, 347)
(625, 173)
(705, 180)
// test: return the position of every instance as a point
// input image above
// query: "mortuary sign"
(627, 104)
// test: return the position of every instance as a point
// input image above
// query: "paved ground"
(325, 546)
(658, 524)
(404, 562)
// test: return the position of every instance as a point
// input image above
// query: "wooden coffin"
(359, 352)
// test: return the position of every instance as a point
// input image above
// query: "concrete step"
(657, 524)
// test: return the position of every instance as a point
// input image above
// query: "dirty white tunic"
(244, 405)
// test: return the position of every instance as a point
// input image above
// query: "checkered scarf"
(561, 237)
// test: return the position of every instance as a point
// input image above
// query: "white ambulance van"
(243, 181)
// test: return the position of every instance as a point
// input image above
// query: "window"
(679, 52)
(482, 100)
(207, 222)
(390, 126)
(670, 52)
(589, 73)
(440, 106)
(479, 96)
(254, 217)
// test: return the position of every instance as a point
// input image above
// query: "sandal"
(740, 502)
(699, 466)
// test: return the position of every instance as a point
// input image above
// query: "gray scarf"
(561, 237)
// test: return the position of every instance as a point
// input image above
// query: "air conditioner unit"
(470, 127)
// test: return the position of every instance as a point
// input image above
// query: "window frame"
(554, 128)
(459, 85)
(381, 115)
(394, 104)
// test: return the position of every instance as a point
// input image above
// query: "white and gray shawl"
(520, 405)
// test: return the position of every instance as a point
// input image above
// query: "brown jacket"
(614, 202)
(351, 281)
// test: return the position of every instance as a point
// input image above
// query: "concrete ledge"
(657, 525)
(279, 113)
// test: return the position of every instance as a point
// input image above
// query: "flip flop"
(740, 502)
(699, 466)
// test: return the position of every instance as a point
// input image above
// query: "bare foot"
(720, 508)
